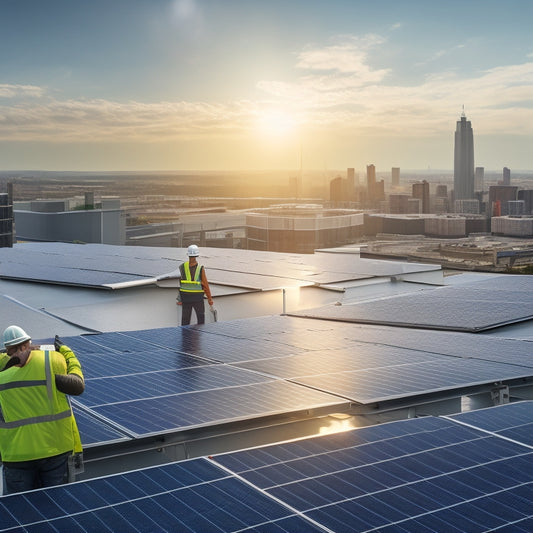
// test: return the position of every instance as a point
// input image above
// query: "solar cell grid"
(425, 474)
(106, 365)
(513, 420)
(168, 337)
(94, 431)
(348, 359)
(70, 276)
(358, 493)
(196, 496)
(124, 388)
(118, 342)
(83, 345)
(380, 384)
(200, 408)
(268, 327)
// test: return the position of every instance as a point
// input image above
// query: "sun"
(276, 124)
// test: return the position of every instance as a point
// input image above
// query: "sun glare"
(276, 124)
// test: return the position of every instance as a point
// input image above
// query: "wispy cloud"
(17, 91)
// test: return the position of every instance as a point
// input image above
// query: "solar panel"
(424, 474)
(160, 384)
(94, 431)
(355, 356)
(67, 276)
(513, 420)
(137, 376)
(109, 365)
(186, 410)
(402, 381)
(189, 496)
(363, 480)
(449, 308)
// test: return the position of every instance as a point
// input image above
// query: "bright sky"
(263, 84)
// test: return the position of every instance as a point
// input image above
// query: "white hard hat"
(193, 251)
(14, 335)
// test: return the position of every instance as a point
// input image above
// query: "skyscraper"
(479, 178)
(421, 191)
(506, 176)
(395, 174)
(463, 171)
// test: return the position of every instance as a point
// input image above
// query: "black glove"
(58, 343)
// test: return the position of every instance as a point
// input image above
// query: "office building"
(6, 221)
(51, 221)
(370, 176)
(499, 197)
(479, 179)
(527, 196)
(506, 176)
(302, 228)
(441, 204)
(395, 175)
(398, 204)
(467, 206)
(353, 180)
(421, 191)
(516, 208)
(512, 226)
(463, 172)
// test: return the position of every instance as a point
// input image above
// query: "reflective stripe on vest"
(188, 284)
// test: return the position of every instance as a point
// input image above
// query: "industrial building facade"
(302, 229)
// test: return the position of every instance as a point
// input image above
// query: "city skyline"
(142, 85)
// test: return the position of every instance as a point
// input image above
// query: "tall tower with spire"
(463, 170)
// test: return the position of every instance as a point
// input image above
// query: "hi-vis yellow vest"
(36, 419)
(188, 284)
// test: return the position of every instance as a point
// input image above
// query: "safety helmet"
(15, 335)
(193, 251)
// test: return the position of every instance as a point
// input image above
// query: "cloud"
(337, 90)
(103, 120)
(17, 91)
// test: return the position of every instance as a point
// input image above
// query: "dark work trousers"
(186, 311)
(27, 475)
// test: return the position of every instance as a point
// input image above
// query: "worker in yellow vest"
(39, 437)
(193, 286)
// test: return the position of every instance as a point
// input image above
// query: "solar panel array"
(94, 265)
(142, 383)
(425, 474)
(159, 381)
(479, 306)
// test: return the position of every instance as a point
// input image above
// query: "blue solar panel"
(202, 408)
(354, 356)
(127, 372)
(94, 431)
(404, 380)
(159, 384)
(373, 480)
(189, 496)
(513, 420)
(108, 365)
(425, 474)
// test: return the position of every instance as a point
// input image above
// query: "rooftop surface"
(401, 363)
